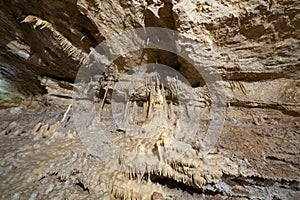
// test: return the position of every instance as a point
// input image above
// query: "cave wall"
(254, 42)
(256, 48)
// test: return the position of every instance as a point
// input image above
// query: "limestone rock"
(254, 46)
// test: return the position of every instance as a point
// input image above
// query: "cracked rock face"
(157, 150)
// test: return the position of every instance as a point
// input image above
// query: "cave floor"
(41, 158)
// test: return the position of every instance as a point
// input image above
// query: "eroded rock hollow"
(150, 99)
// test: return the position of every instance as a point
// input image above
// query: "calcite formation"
(155, 144)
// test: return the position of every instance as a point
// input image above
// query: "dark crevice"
(61, 179)
(252, 76)
(65, 79)
(260, 181)
(55, 175)
(281, 160)
(62, 96)
(173, 184)
(66, 85)
(82, 186)
(273, 158)
(265, 106)
(43, 177)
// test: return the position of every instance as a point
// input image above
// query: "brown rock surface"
(253, 45)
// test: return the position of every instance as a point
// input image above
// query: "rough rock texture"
(253, 45)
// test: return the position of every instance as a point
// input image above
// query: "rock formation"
(154, 122)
